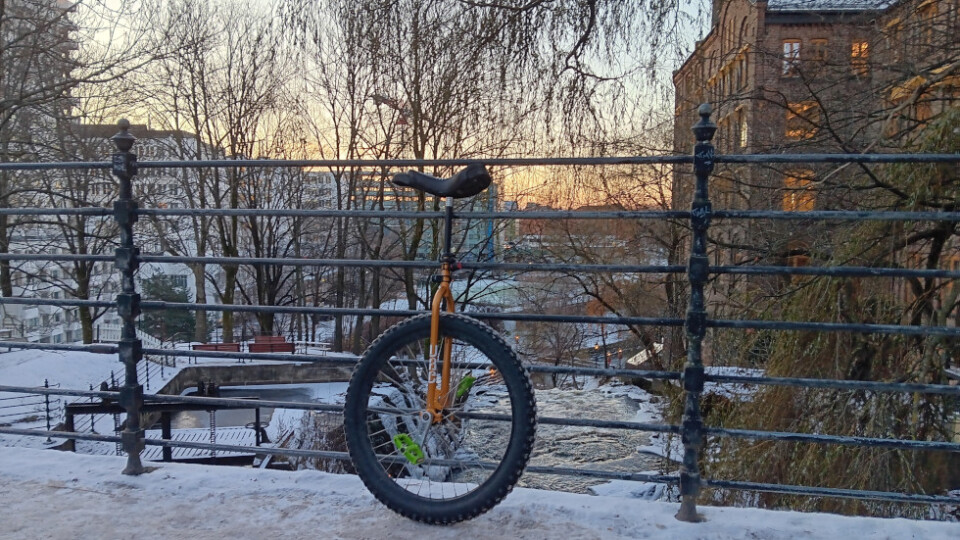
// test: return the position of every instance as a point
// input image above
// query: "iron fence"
(130, 394)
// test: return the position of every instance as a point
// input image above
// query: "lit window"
(791, 57)
(798, 192)
(742, 118)
(802, 120)
(860, 57)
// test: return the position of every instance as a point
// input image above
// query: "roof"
(828, 5)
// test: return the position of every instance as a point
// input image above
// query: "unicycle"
(440, 414)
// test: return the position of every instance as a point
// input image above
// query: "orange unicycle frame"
(438, 398)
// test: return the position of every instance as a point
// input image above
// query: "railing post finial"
(698, 271)
(705, 128)
(123, 140)
(127, 260)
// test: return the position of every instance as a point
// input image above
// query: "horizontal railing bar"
(819, 215)
(373, 263)
(836, 327)
(331, 358)
(62, 257)
(816, 215)
(22, 412)
(154, 305)
(93, 348)
(517, 267)
(531, 317)
(284, 212)
(565, 471)
(836, 158)
(96, 211)
(46, 166)
(835, 271)
(874, 442)
(344, 456)
(830, 492)
(398, 163)
(713, 323)
(608, 424)
(16, 300)
(87, 436)
(721, 484)
(606, 475)
(505, 162)
(350, 360)
(560, 267)
(157, 305)
(838, 215)
(60, 391)
(411, 214)
(325, 454)
(574, 215)
(605, 372)
(801, 490)
(243, 403)
(577, 422)
(916, 388)
(13, 398)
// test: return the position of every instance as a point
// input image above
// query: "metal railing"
(692, 430)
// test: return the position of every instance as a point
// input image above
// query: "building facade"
(798, 76)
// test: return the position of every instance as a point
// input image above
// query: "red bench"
(270, 344)
(269, 339)
(226, 347)
(276, 347)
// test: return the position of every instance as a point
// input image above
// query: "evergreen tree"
(167, 324)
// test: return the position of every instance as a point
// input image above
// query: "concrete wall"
(248, 374)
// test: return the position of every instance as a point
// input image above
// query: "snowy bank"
(48, 494)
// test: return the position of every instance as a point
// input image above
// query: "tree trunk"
(86, 324)
(6, 283)
(229, 294)
(199, 277)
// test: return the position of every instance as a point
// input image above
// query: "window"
(791, 57)
(802, 120)
(818, 51)
(797, 261)
(798, 191)
(744, 72)
(928, 14)
(860, 57)
(742, 122)
(954, 265)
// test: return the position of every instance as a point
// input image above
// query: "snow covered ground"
(49, 494)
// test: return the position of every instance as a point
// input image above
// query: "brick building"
(811, 76)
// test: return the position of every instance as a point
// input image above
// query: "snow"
(49, 494)
(828, 5)
(73, 369)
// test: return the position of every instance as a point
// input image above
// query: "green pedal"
(408, 448)
(465, 385)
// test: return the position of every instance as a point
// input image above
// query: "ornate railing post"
(696, 323)
(128, 301)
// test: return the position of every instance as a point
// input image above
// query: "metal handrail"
(699, 271)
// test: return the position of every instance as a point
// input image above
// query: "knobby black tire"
(357, 421)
